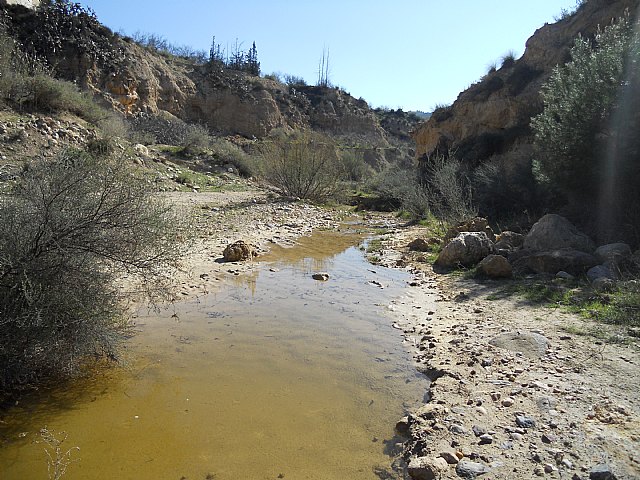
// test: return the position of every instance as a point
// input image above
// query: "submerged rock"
(320, 276)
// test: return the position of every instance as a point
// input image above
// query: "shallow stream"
(275, 376)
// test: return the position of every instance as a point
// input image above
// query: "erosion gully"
(276, 375)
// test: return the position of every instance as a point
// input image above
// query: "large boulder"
(575, 262)
(495, 266)
(466, 249)
(554, 232)
(239, 251)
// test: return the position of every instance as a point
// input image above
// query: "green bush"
(226, 152)
(586, 137)
(72, 227)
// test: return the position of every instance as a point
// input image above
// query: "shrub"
(169, 130)
(505, 186)
(226, 152)
(353, 165)
(71, 228)
(586, 136)
(508, 59)
(303, 165)
(446, 187)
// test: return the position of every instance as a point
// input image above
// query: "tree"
(586, 137)
(73, 228)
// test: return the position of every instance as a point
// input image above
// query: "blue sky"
(411, 54)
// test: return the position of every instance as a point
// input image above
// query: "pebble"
(525, 422)
(457, 428)
(601, 472)
(478, 431)
(507, 402)
(486, 439)
(470, 470)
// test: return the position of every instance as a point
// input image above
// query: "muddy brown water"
(275, 376)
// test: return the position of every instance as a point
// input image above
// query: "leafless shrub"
(304, 165)
(72, 227)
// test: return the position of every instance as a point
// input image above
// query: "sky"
(409, 54)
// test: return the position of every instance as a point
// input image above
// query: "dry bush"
(304, 165)
(72, 227)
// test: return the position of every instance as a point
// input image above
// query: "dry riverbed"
(517, 391)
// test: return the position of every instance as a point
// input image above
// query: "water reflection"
(281, 375)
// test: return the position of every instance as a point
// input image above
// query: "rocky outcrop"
(492, 116)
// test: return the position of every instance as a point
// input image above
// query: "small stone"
(508, 402)
(459, 429)
(450, 456)
(516, 436)
(566, 463)
(481, 410)
(486, 439)
(470, 470)
(548, 438)
(402, 427)
(423, 468)
(548, 468)
(495, 396)
(525, 422)
(478, 430)
(486, 362)
(601, 472)
(320, 276)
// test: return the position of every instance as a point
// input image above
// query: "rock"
(575, 262)
(495, 266)
(603, 285)
(457, 428)
(424, 468)
(507, 402)
(532, 345)
(467, 249)
(320, 276)
(564, 275)
(422, 245)
(607, 271)
(486, 439)
(141, 149)
(554, 232)
(239, 251)
(525, 422)
(478, 430)
(509, 241)
(601, 472)
(613, 253)
(477, 224)
(470, 470)
(402, 427)
(450, 456)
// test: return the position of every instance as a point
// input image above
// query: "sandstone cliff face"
(492, 116)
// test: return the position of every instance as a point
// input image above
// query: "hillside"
(492, 116)
(139, 80)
